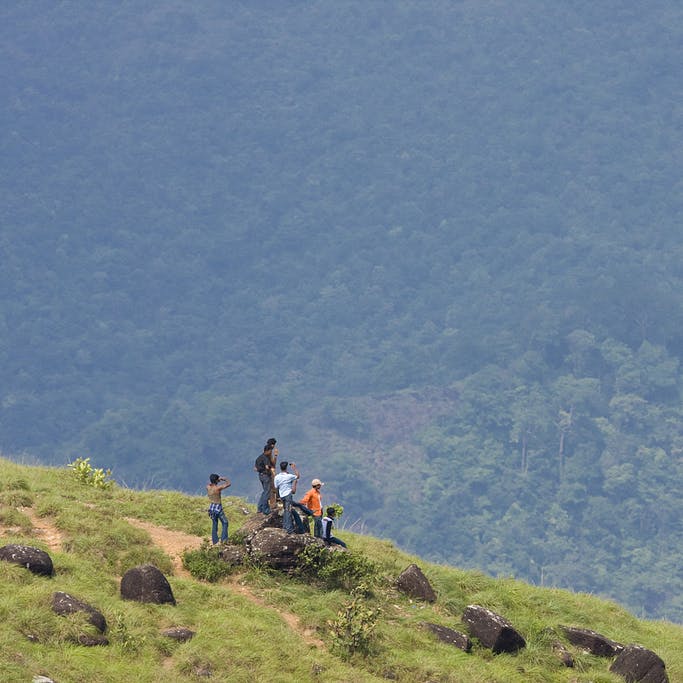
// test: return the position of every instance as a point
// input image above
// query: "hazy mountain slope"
(243, 624)
(220, 222)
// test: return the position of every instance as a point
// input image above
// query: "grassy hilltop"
(256, 624)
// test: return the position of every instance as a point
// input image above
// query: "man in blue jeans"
(285, 483)
(213, 490)
(264, 466)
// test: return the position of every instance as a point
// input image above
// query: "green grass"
(247, 637)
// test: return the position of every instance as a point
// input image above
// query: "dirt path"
(173, 543)
(43, 529)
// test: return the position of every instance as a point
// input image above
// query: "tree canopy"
(434, 247)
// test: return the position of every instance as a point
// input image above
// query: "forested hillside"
(434, 247)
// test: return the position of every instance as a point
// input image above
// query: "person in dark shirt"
(265, 467)
(328, 522)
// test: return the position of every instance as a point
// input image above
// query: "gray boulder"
(278, 549)
(414, 583)
(563, 654)
(492, 630)
(179, 633)
(638, 665)
(34, 559)
(146, 583)
(63, 604)
(256, 523)
(592, 642)
(91, 641)
(450, 636)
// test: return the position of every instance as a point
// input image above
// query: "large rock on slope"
(591, 641)
(34, 559)
(255, 523)
(639, 665)
(414, 583)
(63, 604)
(146, 583)
(492, 630)
(450, 636)
(278, 549)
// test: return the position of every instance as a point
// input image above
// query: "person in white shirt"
(285, 483)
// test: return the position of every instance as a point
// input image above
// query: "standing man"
(272, 456)
(265, 466)
(213, 490)
(313, 502)
(285, 483)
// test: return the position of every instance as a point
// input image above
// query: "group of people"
(280, 486)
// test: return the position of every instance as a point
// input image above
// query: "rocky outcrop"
(492, 630)
(414, 583)
(278, 549)
(234, 555)
(63, 604)
(639, 665)
(34, 559)
(592, 642)
(146, 584)
(256, 523)
(450, 636)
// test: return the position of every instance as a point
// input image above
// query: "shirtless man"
(213, 490)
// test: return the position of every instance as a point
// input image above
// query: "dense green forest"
(434, 247)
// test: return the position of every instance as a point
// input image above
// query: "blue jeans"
(287, 521)
(214, 527)
(266, 482)
(336, 541)
(318, 526)
(302, 527)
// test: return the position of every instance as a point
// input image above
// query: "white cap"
(317, 482)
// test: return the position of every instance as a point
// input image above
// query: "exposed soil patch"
(43, 529)
(173, 543)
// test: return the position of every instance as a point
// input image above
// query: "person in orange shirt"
(312, 501)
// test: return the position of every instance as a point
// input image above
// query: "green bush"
(206, 563)
(336, 569)
(84, 472)
(353, 629)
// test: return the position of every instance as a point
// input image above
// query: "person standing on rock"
(285, 483)
(214, 489)
(272, 452)
(265, 466)
(313, 502)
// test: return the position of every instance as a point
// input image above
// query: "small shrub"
(353, 629)
(122, 636)
(338, 510)
(206, 563)
(336, 569)
(84, 472)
